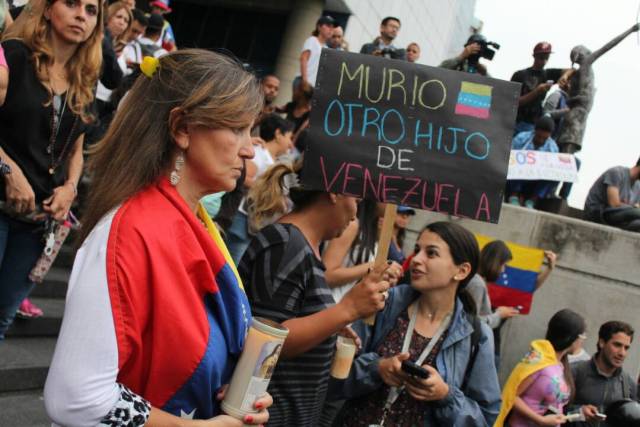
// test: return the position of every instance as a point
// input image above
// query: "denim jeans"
(20, 247)
(530, 189)
(238, 238)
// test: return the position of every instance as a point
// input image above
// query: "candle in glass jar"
(254, 369)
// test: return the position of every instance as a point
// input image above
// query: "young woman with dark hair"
(432, 324)
(493, 260)
(541, 385)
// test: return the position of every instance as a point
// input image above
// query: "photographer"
(476, 47)
(536, 82)
(383, 45)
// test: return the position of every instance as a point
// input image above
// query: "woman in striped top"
(284, 279)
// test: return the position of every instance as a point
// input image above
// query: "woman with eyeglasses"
(541, 385)
(53, 56)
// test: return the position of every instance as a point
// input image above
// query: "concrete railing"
(597, 275)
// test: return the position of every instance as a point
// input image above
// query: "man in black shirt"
(536, 82)
(383, 45)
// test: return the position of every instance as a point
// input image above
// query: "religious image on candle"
(267, 360)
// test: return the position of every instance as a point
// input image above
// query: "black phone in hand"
(414, 370)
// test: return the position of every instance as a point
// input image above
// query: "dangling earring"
(175, 173)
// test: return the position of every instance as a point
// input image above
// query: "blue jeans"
(20, 247)
(238, 238)
(530, 189)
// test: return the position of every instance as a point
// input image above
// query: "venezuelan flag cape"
(517, 284)
(540, 356)
(179, 310)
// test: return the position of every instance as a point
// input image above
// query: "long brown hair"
(83, 67)
(190, 86)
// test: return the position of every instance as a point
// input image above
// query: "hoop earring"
(175, 173)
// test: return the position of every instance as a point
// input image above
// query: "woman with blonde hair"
(119, 19)
(53, 55)
(167, 311)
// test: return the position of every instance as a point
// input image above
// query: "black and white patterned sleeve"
(131, 410)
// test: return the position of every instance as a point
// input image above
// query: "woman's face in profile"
(214, 157)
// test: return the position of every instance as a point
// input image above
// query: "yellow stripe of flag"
(217, 238)
(524, 257)
(476, 89)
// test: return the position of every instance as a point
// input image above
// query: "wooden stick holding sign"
(384, 241)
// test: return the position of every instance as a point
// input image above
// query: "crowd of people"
(194, 170)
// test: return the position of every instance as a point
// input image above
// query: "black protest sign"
(409, 134)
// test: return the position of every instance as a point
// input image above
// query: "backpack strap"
(476, 335)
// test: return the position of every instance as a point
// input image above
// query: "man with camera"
(536, 82)
(468, 61)
(383, 45)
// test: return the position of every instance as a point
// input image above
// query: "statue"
(581, 93)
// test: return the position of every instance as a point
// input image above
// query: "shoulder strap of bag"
(476, 335)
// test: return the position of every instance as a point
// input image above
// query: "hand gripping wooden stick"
(383, 244)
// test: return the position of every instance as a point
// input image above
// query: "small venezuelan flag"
(518, 282)
(474, 100)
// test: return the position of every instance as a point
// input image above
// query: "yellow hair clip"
(149, 66)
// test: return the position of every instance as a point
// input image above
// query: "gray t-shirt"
(477, 287)
(619, 177)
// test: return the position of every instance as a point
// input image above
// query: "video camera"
(392, 52)
(485, 48)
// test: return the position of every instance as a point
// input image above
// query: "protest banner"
(537, 165)
(409, 134)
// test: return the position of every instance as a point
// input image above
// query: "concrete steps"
(45, 326)
(54, 285)
(23, 409)
(24, 363)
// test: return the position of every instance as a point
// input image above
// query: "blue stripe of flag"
(515, 278)
(473, 100)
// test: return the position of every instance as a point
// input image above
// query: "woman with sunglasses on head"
(53, 55)
(167, 313)
(541, 385)
(432, 324)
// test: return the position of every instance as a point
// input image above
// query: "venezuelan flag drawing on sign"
(474, 100)
(518, 282)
